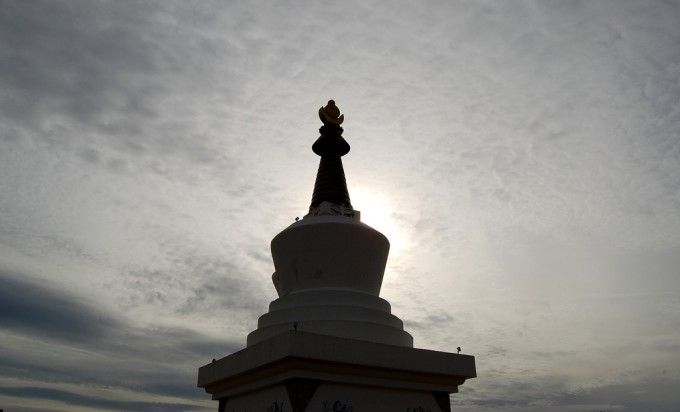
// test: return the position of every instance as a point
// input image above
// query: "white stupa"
(329, 343)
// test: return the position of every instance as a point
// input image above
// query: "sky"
(522, 157)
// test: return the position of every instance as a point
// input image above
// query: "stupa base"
(298, 371)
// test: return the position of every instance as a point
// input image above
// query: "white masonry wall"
(331, 397)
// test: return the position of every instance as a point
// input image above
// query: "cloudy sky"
(522, 157)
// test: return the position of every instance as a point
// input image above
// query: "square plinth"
(298, 371)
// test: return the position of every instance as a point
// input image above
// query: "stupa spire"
(330, 185)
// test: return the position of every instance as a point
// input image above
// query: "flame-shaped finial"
(330, 114)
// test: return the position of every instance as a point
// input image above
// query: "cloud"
(653, 393)
(198, 286)
(64, 57)
(80, 400)
(35, 309)
(528, 152)
(555, 395)
(37, 319)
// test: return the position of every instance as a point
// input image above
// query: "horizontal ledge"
(313, 352)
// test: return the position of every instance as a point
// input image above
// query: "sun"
(377, 211)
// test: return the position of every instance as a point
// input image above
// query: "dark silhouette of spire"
(330, 185)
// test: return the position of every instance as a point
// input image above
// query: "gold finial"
(331, 114)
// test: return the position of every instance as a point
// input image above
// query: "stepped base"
(337, 312)
(297, 371)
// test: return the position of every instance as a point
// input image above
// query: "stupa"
(329, 343)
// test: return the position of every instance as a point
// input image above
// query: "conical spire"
(330, 185)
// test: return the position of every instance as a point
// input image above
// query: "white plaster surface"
(329, 251)
(271, 399)
(329, 325)
(315, 355)
(329, 270)
(336, 397)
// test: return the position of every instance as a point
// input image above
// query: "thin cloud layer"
(52, 336)
(33, 309)
(524, 157)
